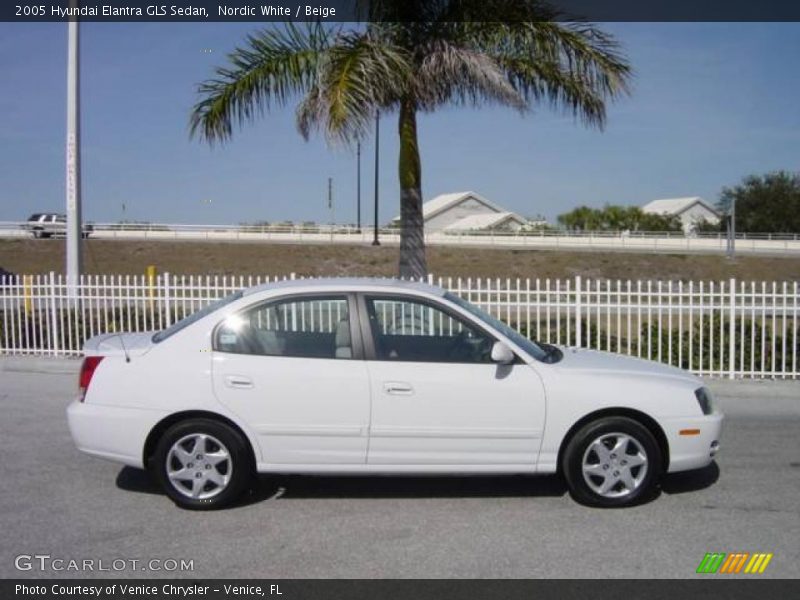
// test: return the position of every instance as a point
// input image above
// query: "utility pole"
(358, 186)
(375, 241)
(330, 204)
(732, 227)
(74, 228)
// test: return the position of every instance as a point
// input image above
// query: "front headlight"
(704, 398)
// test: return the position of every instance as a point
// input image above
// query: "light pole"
(74, 228)
(330, 204)
(358, 187)
(375, 241)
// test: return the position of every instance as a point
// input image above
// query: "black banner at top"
(412, 10)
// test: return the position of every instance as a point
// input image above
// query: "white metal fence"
(724, 329)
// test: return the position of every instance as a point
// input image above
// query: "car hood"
(117, 344)
(597, 362)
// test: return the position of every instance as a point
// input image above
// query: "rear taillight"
(87, 372)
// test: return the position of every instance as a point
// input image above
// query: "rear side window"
(310, 327)
(196, 316)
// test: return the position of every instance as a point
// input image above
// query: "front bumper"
(689, 450)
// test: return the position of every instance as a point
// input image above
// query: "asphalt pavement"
(54, 501)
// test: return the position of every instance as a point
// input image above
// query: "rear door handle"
(238, 381)
(398, 388)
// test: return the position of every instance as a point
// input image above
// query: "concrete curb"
(755, 388)
(39, 364)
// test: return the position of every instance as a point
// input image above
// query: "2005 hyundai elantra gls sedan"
(363, 376)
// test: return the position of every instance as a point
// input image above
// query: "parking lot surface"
(55, 501)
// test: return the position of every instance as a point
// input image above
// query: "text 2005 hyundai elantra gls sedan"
(380, 377)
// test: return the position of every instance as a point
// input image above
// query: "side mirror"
(502, 354)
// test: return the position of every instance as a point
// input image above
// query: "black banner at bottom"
(391, 589)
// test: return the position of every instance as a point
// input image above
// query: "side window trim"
(368, 335)
(356, 339)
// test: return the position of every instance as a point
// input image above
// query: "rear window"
(196, 316)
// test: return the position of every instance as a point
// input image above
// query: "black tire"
(609, 431)
(240, 462)
(37, 234)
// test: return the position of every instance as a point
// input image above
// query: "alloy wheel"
(614, 465)
(199, 466)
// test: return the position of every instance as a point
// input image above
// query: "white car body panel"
(300, 410)
(311, 415)
(457, 414)
(588, 381)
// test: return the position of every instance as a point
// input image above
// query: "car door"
(293, 370)
(437, 398)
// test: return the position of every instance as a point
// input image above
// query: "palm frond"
(574, 66)
(459, 74)
(272, 67)
(358, 75)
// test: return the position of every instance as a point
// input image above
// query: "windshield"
(529, 346)
(196, 316)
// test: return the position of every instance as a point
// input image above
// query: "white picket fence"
(722, 329)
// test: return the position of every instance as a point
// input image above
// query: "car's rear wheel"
(612, 462)
(202, 464)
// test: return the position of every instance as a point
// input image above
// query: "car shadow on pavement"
(272, 487)
(690, 481)
(402, 486)
(289, 487)
(137, 480)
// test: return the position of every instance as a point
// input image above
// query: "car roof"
(346, 284)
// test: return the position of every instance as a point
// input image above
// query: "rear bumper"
(689, 450)
(111, 432)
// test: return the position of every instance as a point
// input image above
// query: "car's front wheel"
(202, 464)
(612, 462)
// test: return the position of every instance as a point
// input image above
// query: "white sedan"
(380, 377)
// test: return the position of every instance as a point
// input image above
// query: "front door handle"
(398, 388)
(238, 382)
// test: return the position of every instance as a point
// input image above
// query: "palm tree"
(454, 52)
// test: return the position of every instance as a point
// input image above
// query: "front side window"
(411, 330)
(317, 327)
(529, 346)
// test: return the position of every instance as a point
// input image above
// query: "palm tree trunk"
(412, 226)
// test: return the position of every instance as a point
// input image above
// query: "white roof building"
(691, 210)
(466, 211)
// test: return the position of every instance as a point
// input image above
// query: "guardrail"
(652, 241)
(722, 329)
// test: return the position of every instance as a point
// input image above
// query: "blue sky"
(711, 103)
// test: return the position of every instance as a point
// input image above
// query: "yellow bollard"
(27, 292)
(151, 284)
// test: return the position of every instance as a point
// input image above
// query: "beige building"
(466, 211)
(691, 211)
